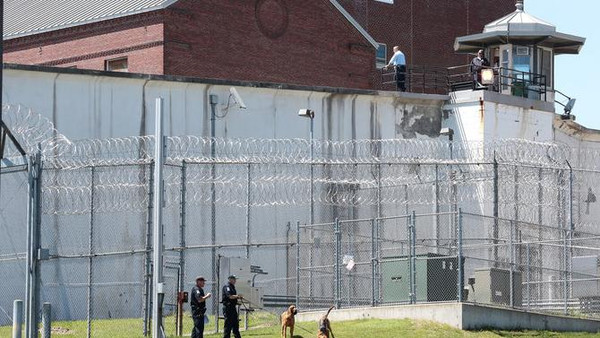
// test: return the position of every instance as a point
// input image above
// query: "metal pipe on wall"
(213, 100)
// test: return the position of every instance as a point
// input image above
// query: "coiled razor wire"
(345, 173)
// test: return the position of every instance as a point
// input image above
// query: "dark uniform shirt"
(477, 64)
(198, 307)
(229, 290)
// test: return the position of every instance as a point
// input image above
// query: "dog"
(287, 320)
(325, 326)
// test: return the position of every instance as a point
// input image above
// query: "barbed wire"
(276, 172)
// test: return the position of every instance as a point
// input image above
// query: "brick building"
(425, 29)
(303, 42)
(310, 42)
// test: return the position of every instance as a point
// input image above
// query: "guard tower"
(521, 50)
(516, 97)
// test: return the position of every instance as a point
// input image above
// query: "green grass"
(264, 324)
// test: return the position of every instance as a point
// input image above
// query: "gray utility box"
(585, 283)
(436, 278)
(585, 274)
(492, 286)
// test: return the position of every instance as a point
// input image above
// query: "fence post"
(511, 244)
(158, 226)
(373, 261)
(17, 318)
(248, 213)
(571, 228)
(412, 258)
(46, 320)
(338, 283)
(181, 274)
(436, 225)
(378, 256)
(495, 213)
(247, 228)
(298, 263)
(148, 246)
(459, 246)
(32, 279)
(91, 252)
(565, 274)
(527, 249)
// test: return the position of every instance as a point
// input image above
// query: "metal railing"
(419, 79)
(505, 80)
(442, 80)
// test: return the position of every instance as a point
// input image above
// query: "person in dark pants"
(230, 300)
(398, 61)
(198, 304)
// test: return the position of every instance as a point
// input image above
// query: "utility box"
(436, 278)
(585, 283)
(492, 286)
(240, 267)
(585, 274)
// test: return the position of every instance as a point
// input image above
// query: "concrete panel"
(476, 317)
(462, 316)
(445, 313)
(87, 104)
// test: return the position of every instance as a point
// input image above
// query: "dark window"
(381, 55)
(116, 65)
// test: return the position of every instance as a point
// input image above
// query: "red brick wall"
(140, 38)
(425, 29)
(303, 42)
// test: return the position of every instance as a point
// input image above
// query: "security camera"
(236, 96)
(306, 113)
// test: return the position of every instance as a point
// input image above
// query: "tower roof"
(520, 27)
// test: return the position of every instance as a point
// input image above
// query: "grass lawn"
(263, 324)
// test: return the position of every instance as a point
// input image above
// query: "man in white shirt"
(398, 61)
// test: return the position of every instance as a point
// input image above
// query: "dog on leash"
(287, 320)
(325, 326)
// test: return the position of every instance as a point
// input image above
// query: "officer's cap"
(232, 277)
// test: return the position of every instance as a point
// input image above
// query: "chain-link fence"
(527, 217)
(480, 259)
(13, 220)
(96, 224)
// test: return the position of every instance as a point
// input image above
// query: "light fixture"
(306, 113)
(447, 131)
(487, 76)
(567, 106)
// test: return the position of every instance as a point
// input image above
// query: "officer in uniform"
(230, 300)
(198, 304)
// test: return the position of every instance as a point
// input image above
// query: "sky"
(575, 75)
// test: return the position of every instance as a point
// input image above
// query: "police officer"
(230, 300)
(198, 304)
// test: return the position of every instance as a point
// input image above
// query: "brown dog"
(325, 326)
(287, 320)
